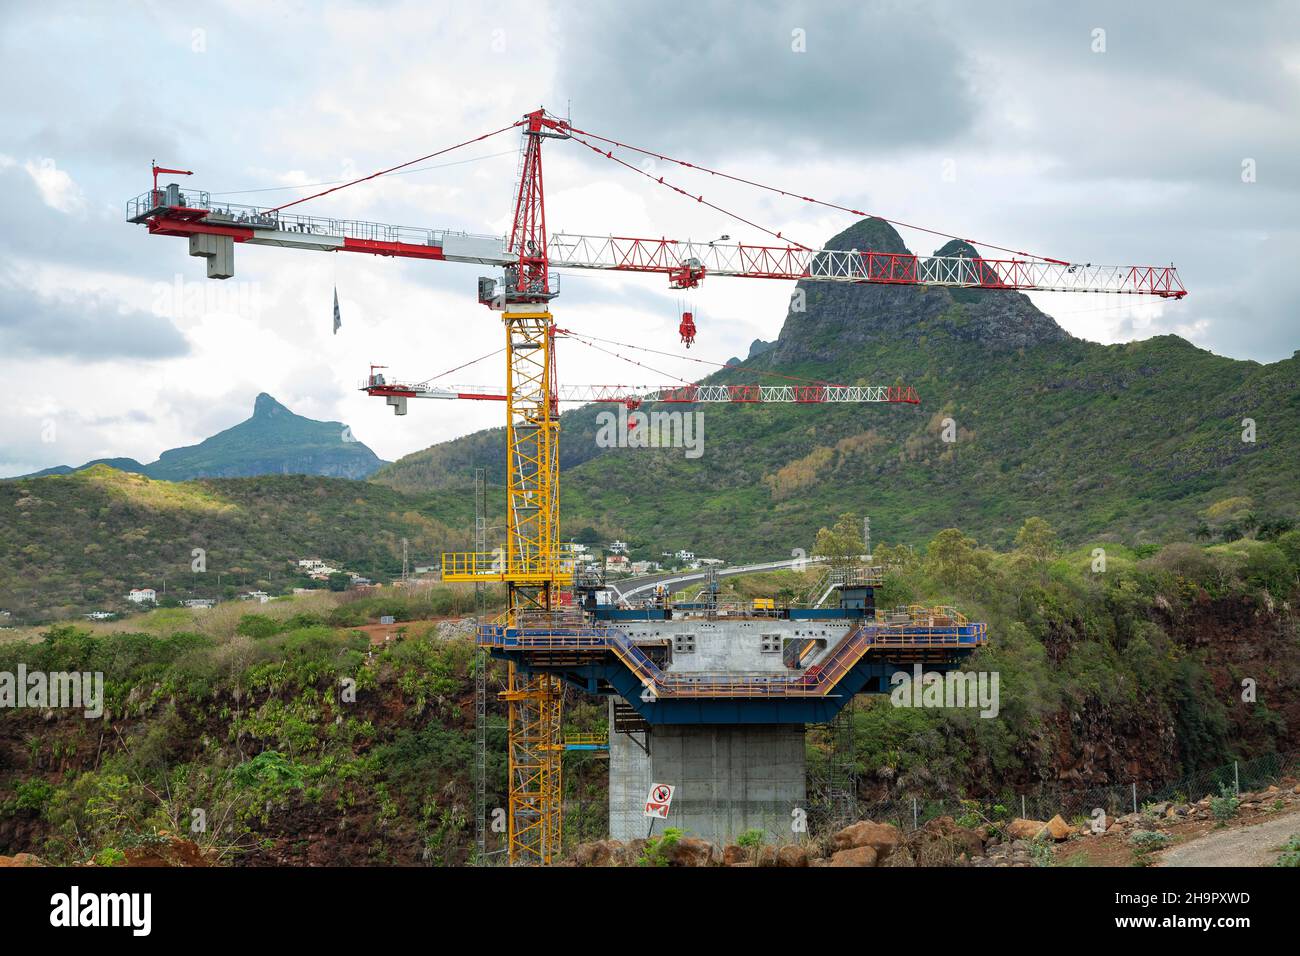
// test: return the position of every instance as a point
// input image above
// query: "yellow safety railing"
(498, 566)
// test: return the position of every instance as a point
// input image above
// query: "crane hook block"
(687, 328)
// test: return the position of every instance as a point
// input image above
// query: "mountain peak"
(835, 323)
(273, 441)
(869, 235)
(265, 405)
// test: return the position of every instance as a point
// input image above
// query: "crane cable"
(393, 169)
(692, 358)
(609, 154)
(626, 359)
(335, 182)
(432, 378)
(749, 182)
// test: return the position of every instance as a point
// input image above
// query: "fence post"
(1236, 777)
(1135, 796)
(1023, 814)
(915, 822)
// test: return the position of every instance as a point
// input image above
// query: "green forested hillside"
(1132, 441)
(79, 542)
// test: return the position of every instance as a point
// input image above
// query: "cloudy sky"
(1093, 133)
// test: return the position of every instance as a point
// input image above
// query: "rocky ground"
(1136, 839)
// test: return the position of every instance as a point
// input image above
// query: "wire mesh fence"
(914, 811)
(827, 809)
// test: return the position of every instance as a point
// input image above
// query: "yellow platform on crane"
(479, 566)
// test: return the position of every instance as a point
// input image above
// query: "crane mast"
(532, 571)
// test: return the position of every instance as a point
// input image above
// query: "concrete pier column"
(729, 778)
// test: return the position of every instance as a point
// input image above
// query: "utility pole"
(866, 536)
(406, 565)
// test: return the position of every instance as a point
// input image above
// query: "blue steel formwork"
(602, 660)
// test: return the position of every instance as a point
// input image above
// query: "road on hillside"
(1255, 845)
(630, 587)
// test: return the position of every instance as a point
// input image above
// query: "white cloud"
(57, 189)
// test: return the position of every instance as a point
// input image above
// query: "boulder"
(792, 854)
(1022, 829)
(734, 855)
(766, 856)
(21, 859)
(1058, 829)
(856, 856)
(598, 853)
(943, 841)
(691, 851)
(881, 837)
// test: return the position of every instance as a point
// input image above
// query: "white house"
(644, 567)
(143, 596)
(618, 547)
(686, 555)
(199, 603)
(616, 562)
(261, 597)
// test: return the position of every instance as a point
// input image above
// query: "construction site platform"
(659, 676)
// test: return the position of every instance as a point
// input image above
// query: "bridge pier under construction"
(713, 699)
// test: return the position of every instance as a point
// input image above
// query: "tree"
(954, 558)
(1037, 539)
(842, 544)
(339, 581)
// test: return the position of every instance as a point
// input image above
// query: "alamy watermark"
(932, 689)
(56, 690)
(637, 429)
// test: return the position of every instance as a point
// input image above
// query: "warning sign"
(659, 800)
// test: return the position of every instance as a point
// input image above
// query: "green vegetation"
(1290, 853)
(1146, 842)
(301, 742)
(1122, 656)
(80, 542)
(1224, 807)
(296, 740)
(655, 851)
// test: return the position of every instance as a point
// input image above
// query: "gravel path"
(1254, 845)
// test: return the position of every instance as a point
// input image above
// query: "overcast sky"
(1093, 133)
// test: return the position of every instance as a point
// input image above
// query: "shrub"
(1225, 805)
(655, 851)
(1147, 840)
(258, 626)
(1290, 853)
